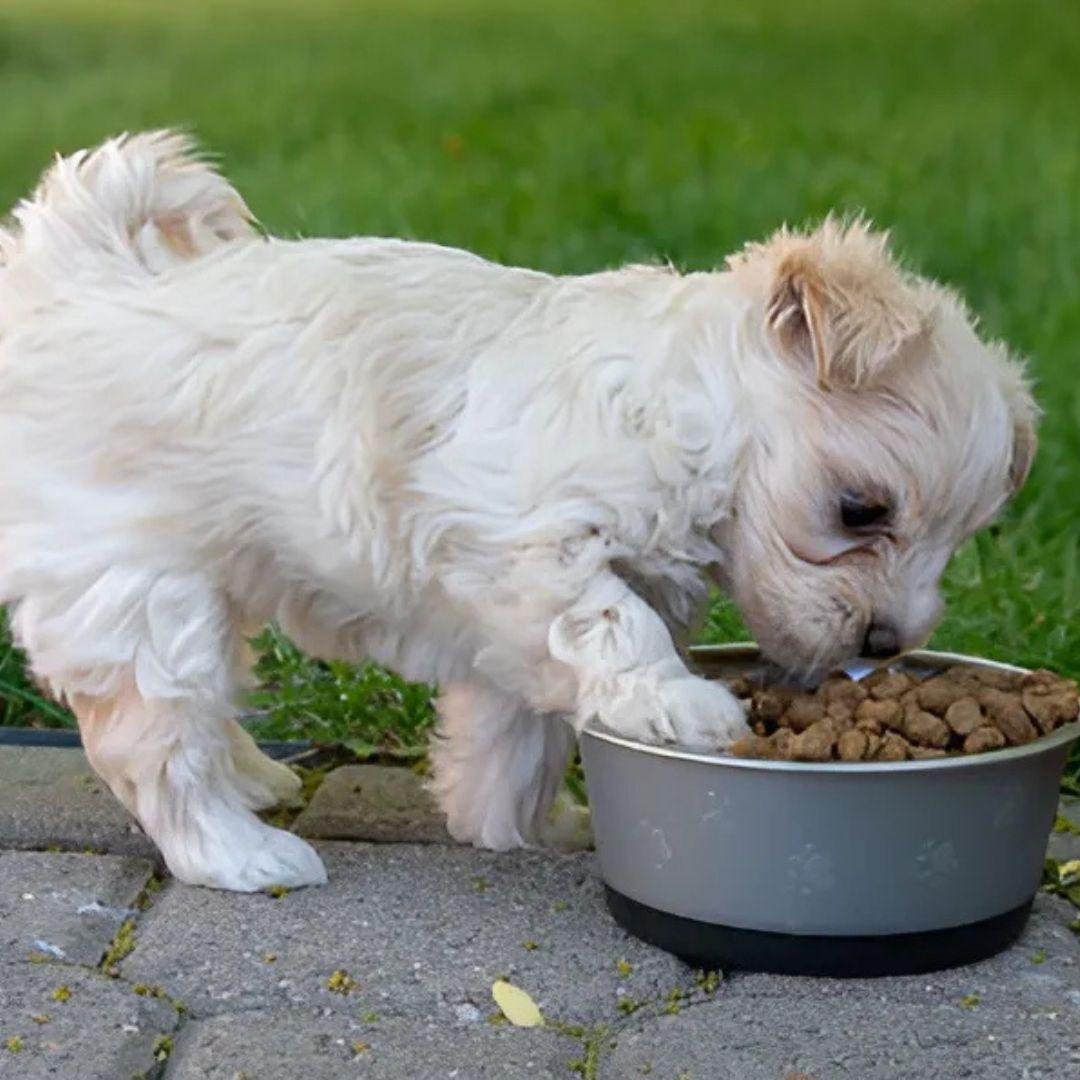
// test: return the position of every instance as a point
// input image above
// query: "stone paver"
(51, 797)
(1015, 1016)
(65, 906)
(423, 929)
(1065, 845)
(418, 932)
(289, 1043)
(103, 1031)
(372, 802)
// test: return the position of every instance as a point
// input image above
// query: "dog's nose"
(881, 642)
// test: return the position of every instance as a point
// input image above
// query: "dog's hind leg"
(142, 657)
(267, 782)
(496, 765)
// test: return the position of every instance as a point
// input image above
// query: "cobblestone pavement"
(110, 970)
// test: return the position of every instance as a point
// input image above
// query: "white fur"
(504, 481)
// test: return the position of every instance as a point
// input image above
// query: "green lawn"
(572, 135)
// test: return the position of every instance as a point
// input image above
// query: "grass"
(579, 134)
(365, 709)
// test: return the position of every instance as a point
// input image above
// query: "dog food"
(896, 716)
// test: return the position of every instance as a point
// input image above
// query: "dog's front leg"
(631, 677)
(496, 765)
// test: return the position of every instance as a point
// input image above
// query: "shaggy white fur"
(503, 481)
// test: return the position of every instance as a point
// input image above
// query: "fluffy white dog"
(503, 481)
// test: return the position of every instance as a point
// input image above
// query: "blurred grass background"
(579, 134)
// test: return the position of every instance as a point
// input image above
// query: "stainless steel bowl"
(822, 868)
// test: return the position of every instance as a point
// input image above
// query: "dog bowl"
(826, 868)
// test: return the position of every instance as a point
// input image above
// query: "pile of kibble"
(896, 716)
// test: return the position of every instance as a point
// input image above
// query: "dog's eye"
(860, 513)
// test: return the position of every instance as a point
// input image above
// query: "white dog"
(503, 481)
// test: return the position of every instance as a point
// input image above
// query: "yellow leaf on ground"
(516, 1005)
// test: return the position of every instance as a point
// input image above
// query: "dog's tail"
(148, 201)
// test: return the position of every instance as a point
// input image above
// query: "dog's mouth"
(775, 674)
(779, 665)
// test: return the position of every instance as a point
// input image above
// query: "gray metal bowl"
(831, 868)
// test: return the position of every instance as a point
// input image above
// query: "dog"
(513, 484)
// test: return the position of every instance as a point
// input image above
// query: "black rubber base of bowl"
(706, 945)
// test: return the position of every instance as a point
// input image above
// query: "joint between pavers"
(163, 1043)
(595, 1043)
(145, 990)
(60, 848)
(602, 1040)
(678, 999)
(124, 941)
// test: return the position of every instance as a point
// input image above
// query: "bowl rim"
(747, 650)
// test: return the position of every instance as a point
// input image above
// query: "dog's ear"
(835, 301)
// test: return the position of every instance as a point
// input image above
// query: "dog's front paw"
(682, 710)
(701, 715)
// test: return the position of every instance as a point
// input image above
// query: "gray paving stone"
(103, 1031)
(1009, 1017)
(51, 797)
(373, 802)
(65, 906)
(286, 1043)
(423, 929)
(1065, 845)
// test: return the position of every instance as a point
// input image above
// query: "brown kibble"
(937, 694)
(1051, 708)
(963, 675)
(964, 716)
(1007, 712)
(892, 716)
(815, 743)
(803, 712)
(752, 746)
(910, 711)
(842, 713)
(983, 739)
(871, 680)
(925, 753)
(926, 729)
(1043, 679)
(893, 747)
(883, 713)
(891, 686)
(741, 687)
(852, 745)
(995, 678)
(842, 689)
(767, 705)
(782, 743)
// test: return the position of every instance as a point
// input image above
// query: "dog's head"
(884, 433)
